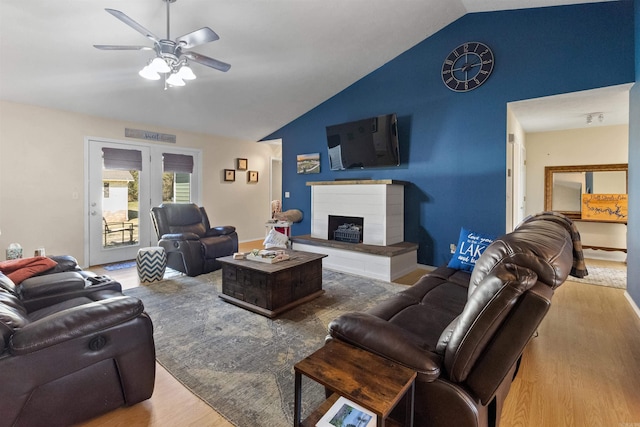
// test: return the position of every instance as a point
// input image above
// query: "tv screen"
(367, 143)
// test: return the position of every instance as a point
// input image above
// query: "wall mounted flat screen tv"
(367, 143)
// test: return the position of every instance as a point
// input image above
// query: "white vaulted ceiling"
(287, 56)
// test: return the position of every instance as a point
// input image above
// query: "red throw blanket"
(21, 269)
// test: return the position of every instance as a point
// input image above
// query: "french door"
(125, 179)
(119, 201)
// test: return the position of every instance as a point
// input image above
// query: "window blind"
(180, 163)
(118, 159)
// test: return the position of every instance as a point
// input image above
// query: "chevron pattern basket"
(151, 263)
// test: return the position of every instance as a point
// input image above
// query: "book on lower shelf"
(345, 413)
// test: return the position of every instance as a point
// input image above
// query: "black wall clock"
(467, 66)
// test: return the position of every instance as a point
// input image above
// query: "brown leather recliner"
(191, 244)
(464, 333)
(71, 350)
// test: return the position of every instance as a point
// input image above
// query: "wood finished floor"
(583, 369)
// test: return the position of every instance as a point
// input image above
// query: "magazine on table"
(345, 413)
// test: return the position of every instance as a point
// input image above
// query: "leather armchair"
(464, 333)
(73, 355)
(191, 244)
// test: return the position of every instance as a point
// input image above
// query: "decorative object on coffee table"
(270, 289)
(267, 256)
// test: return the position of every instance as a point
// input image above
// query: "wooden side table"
(371, 381)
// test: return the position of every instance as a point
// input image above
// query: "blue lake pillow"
(470, 247)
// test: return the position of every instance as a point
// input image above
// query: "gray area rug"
(239, 362)
(602, 276)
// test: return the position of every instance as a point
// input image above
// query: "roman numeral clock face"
(467, 67)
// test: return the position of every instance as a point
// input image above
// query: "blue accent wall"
(453, 145)
(633, 229)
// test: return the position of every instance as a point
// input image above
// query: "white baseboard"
(426, 267)
(617, 256)
(633, 304)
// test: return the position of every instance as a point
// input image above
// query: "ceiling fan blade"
(209, 62)
(119, 47)
(197, 37)
(133, 24)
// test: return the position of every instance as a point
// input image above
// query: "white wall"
(42, 179)
(590, 146)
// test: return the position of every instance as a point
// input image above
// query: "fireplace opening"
(346, 228)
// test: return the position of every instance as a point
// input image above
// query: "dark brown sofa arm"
(378, 336)
(39, 286)
(75, 322)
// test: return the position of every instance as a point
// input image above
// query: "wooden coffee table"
(270, 289)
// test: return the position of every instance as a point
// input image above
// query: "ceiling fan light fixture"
(175, 80)
(186, 73)
(170, 61)
(149, 74)
(159, 65)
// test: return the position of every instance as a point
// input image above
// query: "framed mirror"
(565, 185)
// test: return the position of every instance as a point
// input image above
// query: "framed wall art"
(308, 163)
(229, 175)
(252, 176)
(242, 164)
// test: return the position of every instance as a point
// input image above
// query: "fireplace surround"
(381, 252)
(379, 202)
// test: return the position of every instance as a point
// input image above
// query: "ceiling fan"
(170, 58)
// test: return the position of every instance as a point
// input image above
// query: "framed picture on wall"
(229, 175)
(252, 176)
(308, 163)
(242, 164)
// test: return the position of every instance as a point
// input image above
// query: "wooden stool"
(151, 263)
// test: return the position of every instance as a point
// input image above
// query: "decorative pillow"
(470, 247)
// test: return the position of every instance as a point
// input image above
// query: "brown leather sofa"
(464, 333)
(71, 349)
(191, 244)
